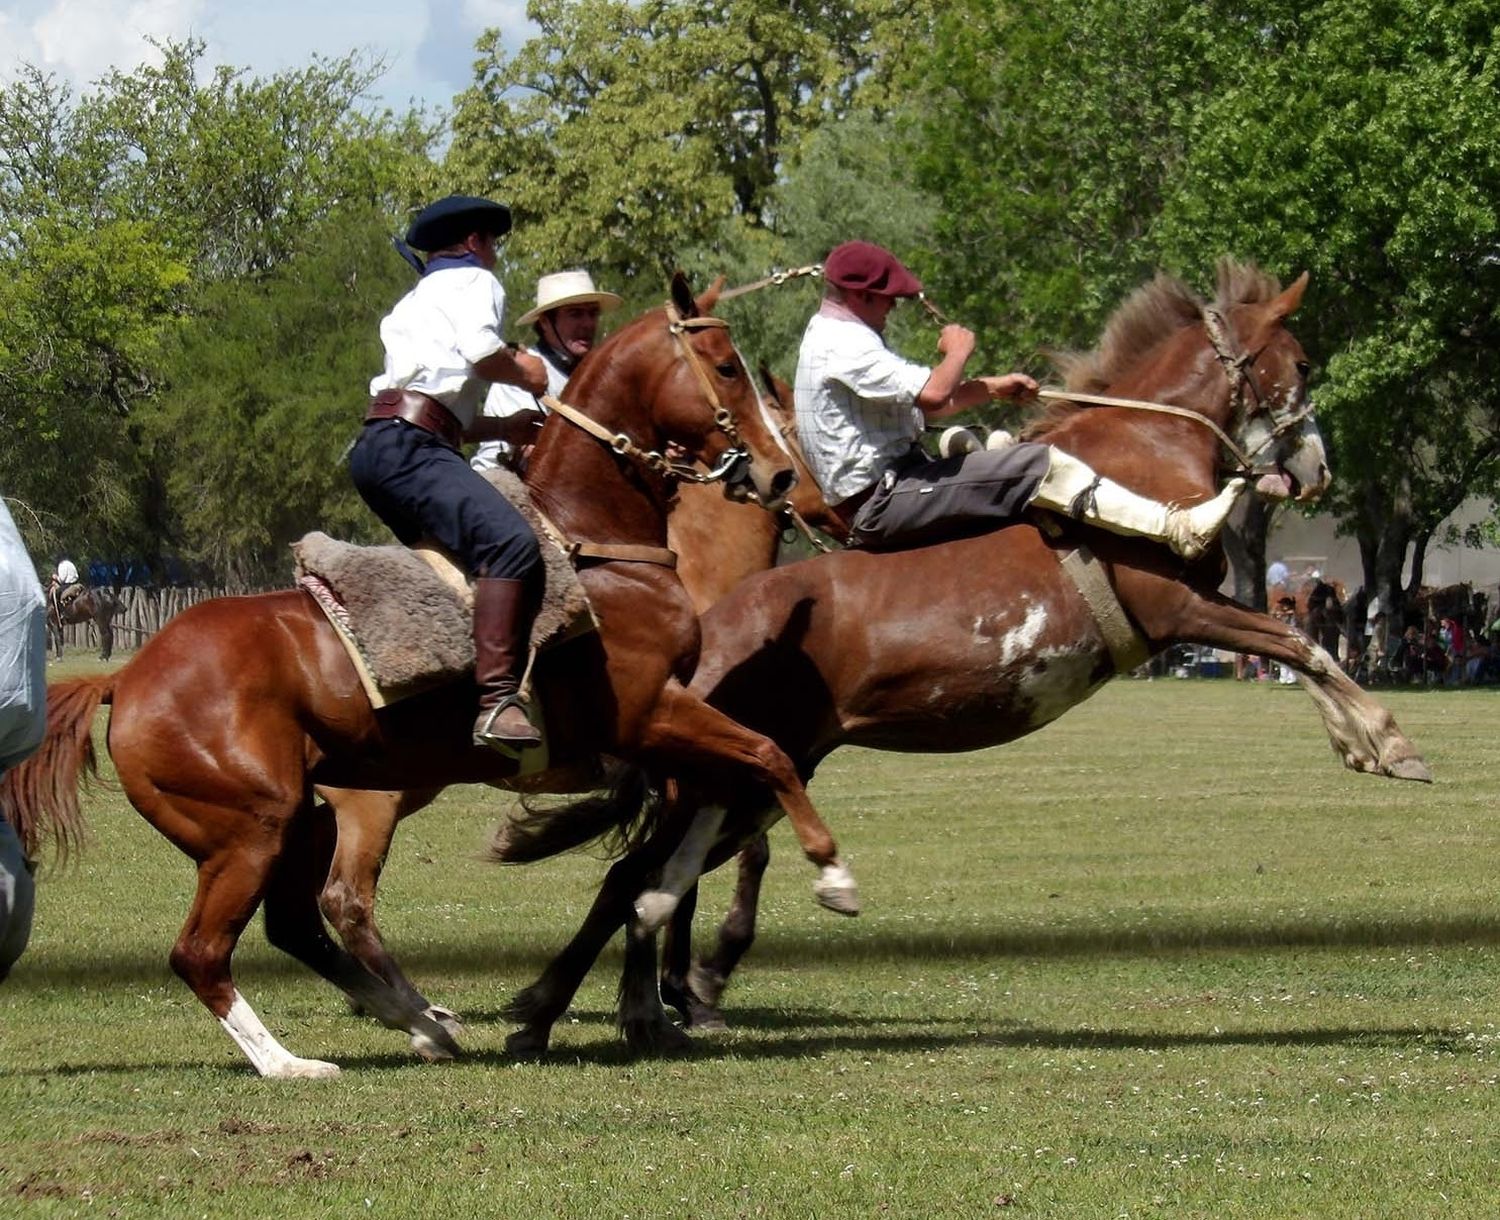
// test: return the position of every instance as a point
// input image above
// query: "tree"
(625, 133)
(118, 212)
(1365, 147)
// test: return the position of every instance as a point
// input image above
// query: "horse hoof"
(653, 909)
(706, 985)
(1412, 768)
(445, 1017)
(431, 1050)
(835, 889)
(707, 1021)
(656, 1038)
(526, 1044)
(303, 1069)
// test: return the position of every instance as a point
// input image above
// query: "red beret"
(870, 268)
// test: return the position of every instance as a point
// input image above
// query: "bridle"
(729, 463)
(1238, 368)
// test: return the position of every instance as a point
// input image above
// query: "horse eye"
(730, 368)
(1303, 368)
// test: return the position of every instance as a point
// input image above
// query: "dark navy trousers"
(421, 488)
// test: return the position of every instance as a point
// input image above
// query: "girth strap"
(1127, 646)
(622, 551)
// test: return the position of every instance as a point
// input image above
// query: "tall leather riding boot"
(1072, 487)
(503, 610)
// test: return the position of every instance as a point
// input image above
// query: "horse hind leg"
(230, 885)
(643, 1020)
(710, 976)
(295, 925)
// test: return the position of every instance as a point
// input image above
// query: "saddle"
(405, 615)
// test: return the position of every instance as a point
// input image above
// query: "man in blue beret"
(861, 409)
(443, 348)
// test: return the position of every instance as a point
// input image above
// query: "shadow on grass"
(921, 1038)
(838, 944)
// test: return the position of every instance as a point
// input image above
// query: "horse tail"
(40, 796)
(620, 817)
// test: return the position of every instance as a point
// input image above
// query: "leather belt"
(419, 410)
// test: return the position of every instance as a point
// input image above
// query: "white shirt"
(67, 574)
(23, 649)
(856, 403)
(436, 334)
(505, 400)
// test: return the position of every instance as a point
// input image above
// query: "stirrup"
(484, 734)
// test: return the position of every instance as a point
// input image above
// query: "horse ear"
(709, 297)
(682, 296)
(1285, 305)
(775, 387)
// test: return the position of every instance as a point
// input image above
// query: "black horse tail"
(619, 818)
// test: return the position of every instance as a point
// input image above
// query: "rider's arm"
(514, 367)
(947, 392)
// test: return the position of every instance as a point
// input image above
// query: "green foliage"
(625, 133)
(267, 384)
(119, 213)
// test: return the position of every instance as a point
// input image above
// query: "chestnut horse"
(224, 722)
(718, 542)
(978, 640)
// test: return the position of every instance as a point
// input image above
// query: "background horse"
(981, 639)
(224, 722)
(94, 605)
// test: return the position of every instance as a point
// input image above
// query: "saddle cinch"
(405, 615)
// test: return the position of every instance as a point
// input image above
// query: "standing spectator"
(23, 708)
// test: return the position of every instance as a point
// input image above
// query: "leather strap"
(420, 410)
(622, 551)
(1127, 646)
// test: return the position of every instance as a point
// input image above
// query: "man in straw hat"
(443, 347)
(566, 321)
(861, 410)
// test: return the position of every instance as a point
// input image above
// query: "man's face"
(572, 328)
(482, 246)
(871, 308)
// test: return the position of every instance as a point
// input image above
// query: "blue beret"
(450, 220)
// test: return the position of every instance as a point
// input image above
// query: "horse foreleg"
(685, 729)
(294, 925)
(643, 1021)
(230, 885)
(1363, 733)
(366, 822)
(707, 979)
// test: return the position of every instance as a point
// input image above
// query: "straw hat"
(566, 288)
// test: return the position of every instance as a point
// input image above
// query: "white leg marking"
(835, 889)
(654, 907)
(268, 1056)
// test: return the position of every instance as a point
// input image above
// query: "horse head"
(708, 404)
(1273, 419)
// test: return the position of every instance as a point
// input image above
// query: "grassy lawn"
(1165, 957)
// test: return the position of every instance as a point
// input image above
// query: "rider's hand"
(534, 372)
(1016, 386)
(956, 340)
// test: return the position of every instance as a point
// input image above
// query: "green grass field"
(1165, 958)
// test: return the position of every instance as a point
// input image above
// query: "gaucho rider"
(861, 408)
(566, 321)
(443, 347)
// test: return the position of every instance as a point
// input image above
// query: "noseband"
(1238, 368)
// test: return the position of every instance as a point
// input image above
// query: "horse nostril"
(782, 482)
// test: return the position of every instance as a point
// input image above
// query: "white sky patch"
(426, 45)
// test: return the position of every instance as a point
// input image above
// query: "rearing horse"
(225, 721)
(981, 639)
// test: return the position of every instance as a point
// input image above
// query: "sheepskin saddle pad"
(405, 615)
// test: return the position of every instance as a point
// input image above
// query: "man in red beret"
(861, 410)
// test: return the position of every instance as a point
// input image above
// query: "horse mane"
(1149, 315)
